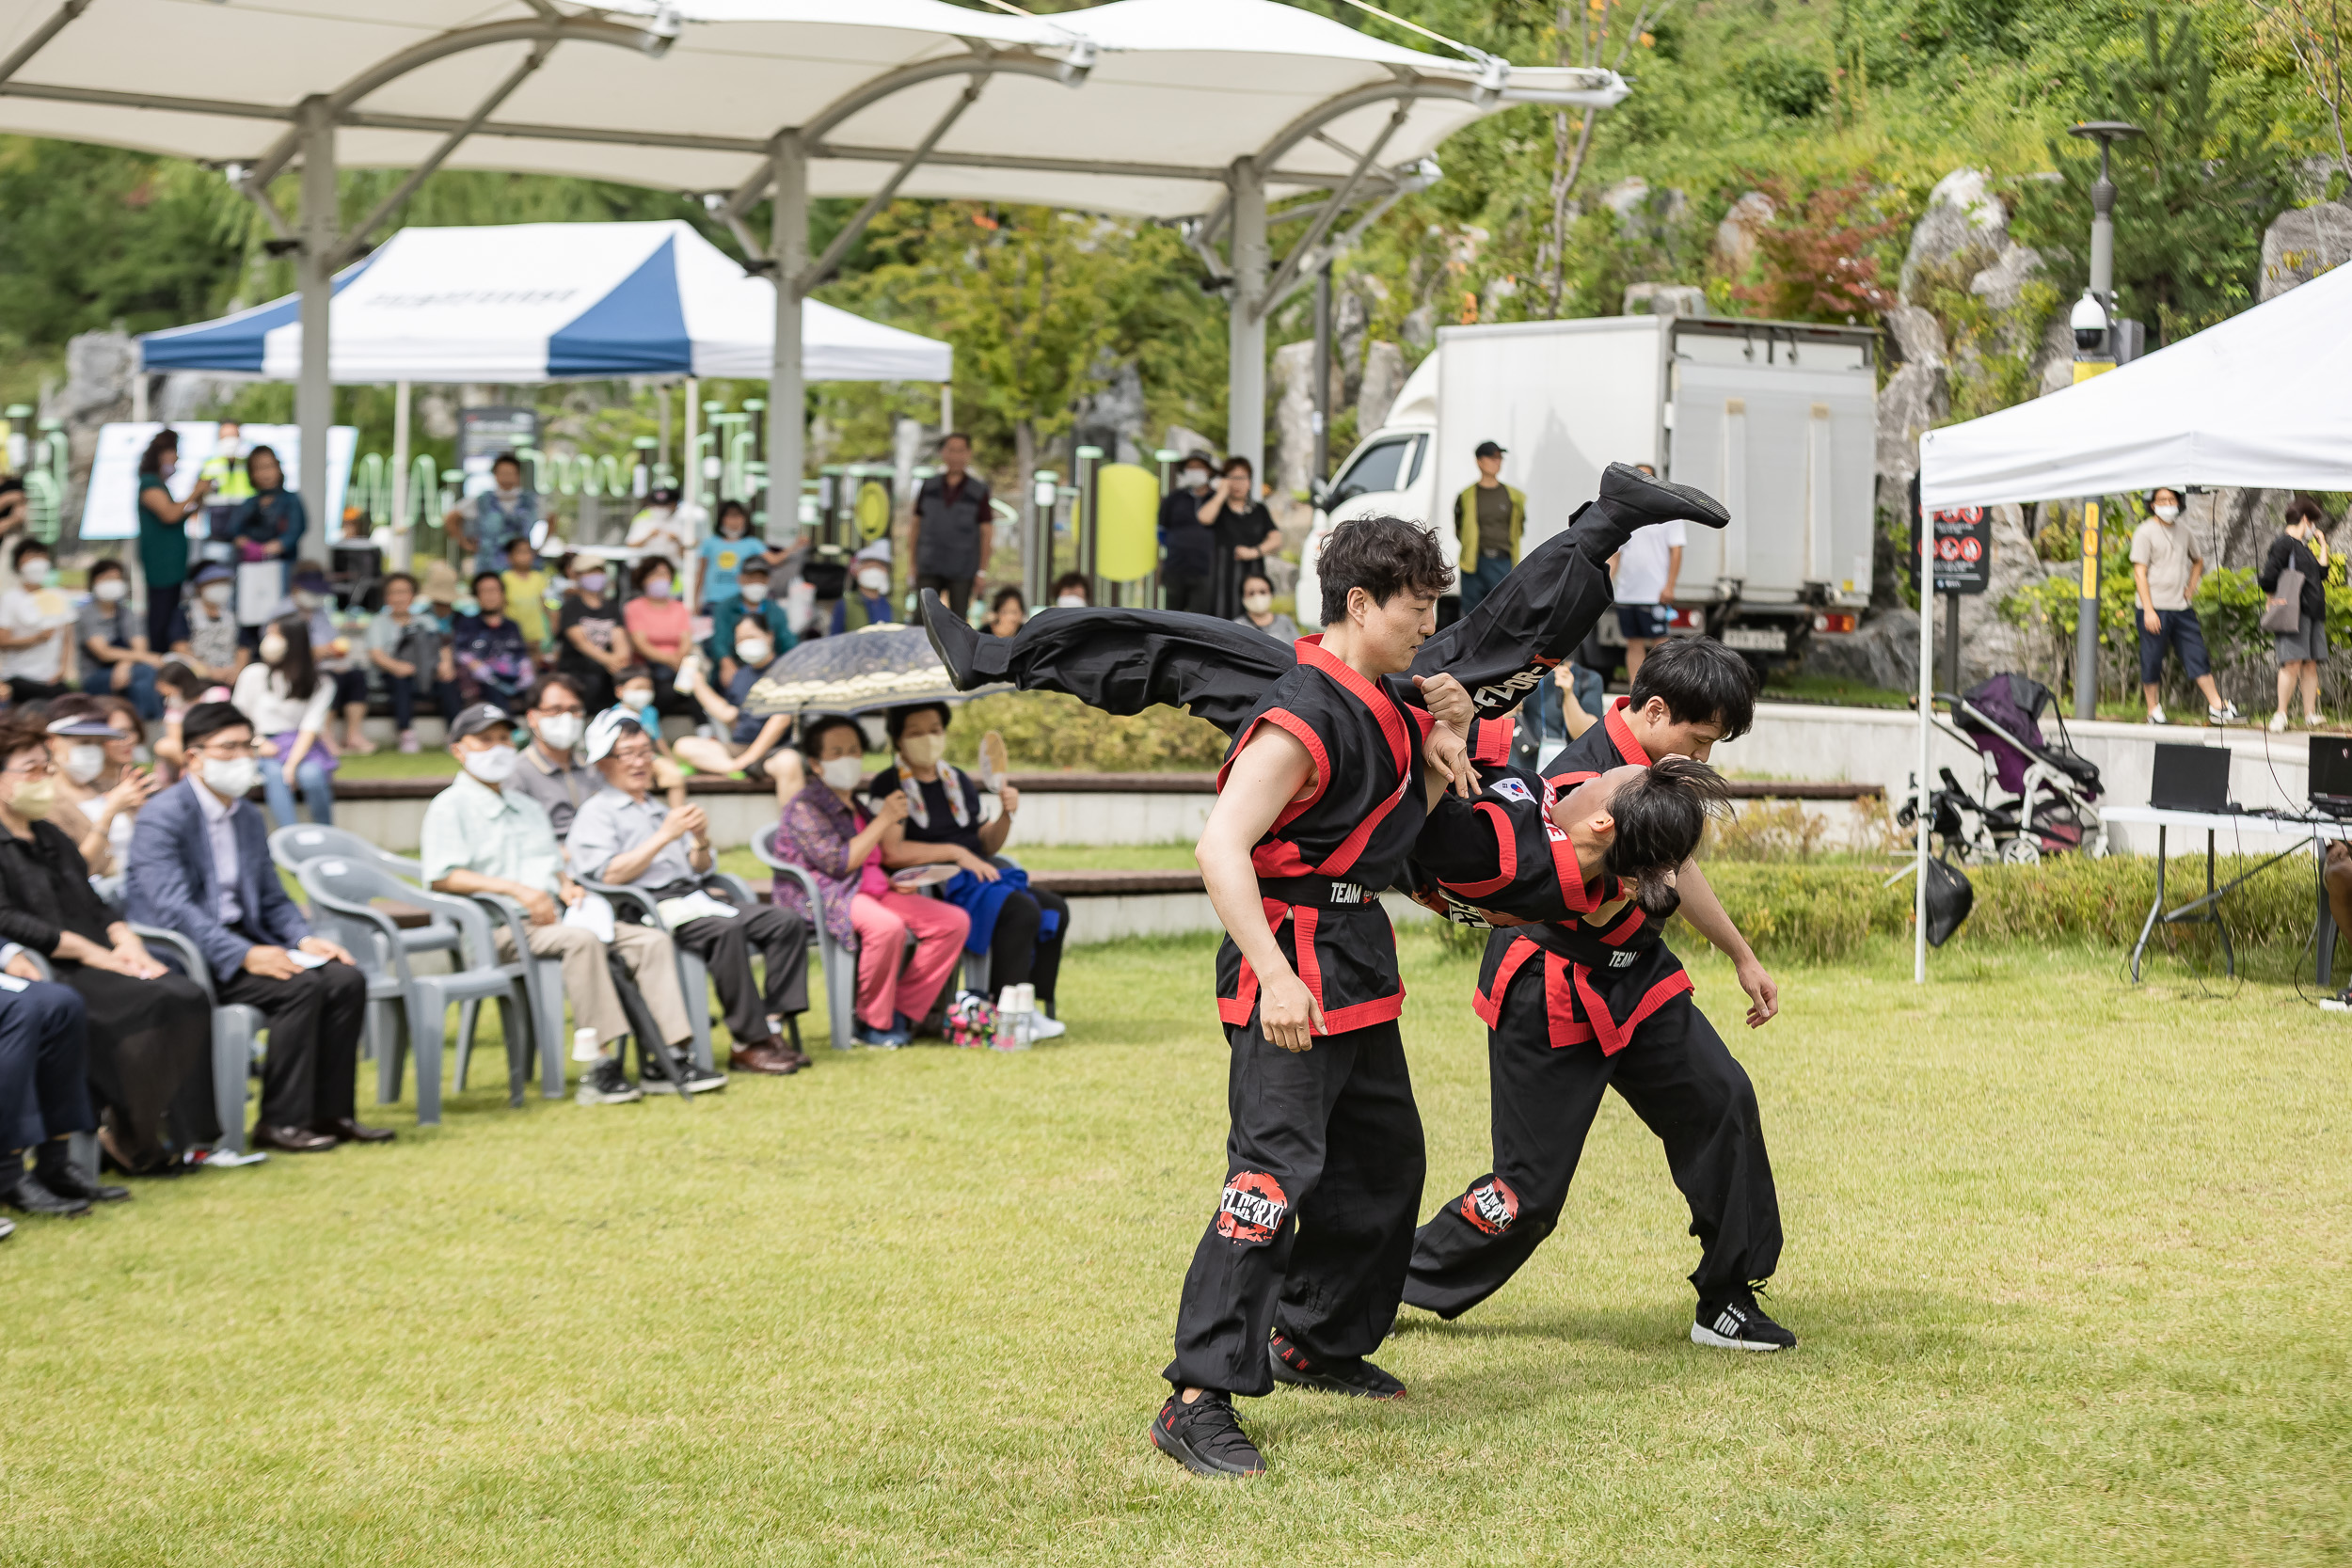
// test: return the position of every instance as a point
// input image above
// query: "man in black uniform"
(1576, 1005)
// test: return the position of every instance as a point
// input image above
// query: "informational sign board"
(1963, 550)
(485, 433)
(110, 510)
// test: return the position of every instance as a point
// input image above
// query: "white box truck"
(1776, 419)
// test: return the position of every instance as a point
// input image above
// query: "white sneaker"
(2155, 716)
(2278, 723)
(1043, 1028)
(2226, 714)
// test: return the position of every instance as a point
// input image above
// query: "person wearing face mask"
(338, 661)
(98, 795)
(756, 603)
(551, 771)
(204, 633)
(492, 519)
(1243, 528)
(1072, 592)
(163, 527)
(494, 663)
(485, 833)
(666, 527)
(2166, 568)
(150, 1030)
(825, 831)
(658, 623)
(36, 651)
(1190, 569)
(1007, 612)
(1257, 610)
(591, 646)
(867, 603)
(200, 867)
(289, 703)
(114, 642)
(751, 741)
(405, 648)
(1021, 928)
(723, 556)
(268, 526)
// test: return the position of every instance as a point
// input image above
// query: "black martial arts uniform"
(1571, 1009)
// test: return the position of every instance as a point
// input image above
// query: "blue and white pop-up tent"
(532, 302)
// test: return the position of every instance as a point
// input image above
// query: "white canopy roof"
(2260, 400)
(1174, 89)
(534, 302)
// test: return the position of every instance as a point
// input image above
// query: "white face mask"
(923, 751)
(111, 591)
(34, 573)
(493, 766)
(658, 588)
(1195, 479)
(1071, 601)
(1257, 604)
(273, 650)
(306, 601)
(85, 763)
(561, 732)
(216, 594)
(2166, 511)
(637, 699)
(874, 580)
(231, 777)
(753, 651)
(842, 773)
(754, 592)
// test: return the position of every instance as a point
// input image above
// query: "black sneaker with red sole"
(1352, 1375)
(1205, 1436)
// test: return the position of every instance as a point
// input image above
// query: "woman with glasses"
(289, 703)
(150, 1029)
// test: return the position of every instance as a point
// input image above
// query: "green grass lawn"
(2068, 1261)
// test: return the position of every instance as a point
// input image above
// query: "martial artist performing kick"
(1321, 798)
(1574, 1006)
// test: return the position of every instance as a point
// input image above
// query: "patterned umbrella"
(873, 667)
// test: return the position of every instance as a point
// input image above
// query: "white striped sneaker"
(1737, 1322)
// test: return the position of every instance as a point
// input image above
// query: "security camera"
(2089, 322)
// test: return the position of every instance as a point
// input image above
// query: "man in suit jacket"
(200, 865)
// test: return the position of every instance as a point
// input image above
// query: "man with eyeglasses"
(200, 865)
(551, 771)
(626, 836)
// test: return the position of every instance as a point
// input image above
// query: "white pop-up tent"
(534, 302)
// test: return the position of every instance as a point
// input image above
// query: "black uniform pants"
(1019, 951)
(1679, 1079)
(956, 590)
(1314, 1229)
(726, 945)
(314, 1022)
(1192, 596)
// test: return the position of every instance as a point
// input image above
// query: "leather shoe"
(953, 639)
(1635, 495)
(763, 1057)
(66, 1182)
(294, 1140)
(347, 1130)
(27, 1195)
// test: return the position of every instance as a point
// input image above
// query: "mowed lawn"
(2068, 1259)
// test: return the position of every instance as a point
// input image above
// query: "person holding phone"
(164, 532)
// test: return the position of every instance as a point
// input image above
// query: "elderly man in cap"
(623, 835)
(204, 632)
(482, 835)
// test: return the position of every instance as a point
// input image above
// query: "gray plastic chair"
(543, 981)
(343, 891)
(235, 1028)
(290, 847)
(840, 964)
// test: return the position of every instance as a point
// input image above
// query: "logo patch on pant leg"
(1252, 1208)
(1491, 1206)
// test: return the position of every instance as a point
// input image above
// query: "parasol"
(873, 667)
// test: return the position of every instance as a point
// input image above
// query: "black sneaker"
(1737, 1322)
(1205, 1438)
(608, 1084)
(1355, 1375)
(28, 1196)
(1634, 496)
(67, 1183)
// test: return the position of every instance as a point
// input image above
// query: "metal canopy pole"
(787, 243)
(1245, 396)
(1320, 448)
(314, 392)
(404, 540)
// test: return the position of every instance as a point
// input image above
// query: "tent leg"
(314, 392)
(1244, 430)
(787, 243)
(404, 541)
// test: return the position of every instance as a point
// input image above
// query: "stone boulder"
(99, 368)
(1665, 299)
(2301, 244)
(1383, 377)
(1961, 214)
(1291, 463)
(1736, 235)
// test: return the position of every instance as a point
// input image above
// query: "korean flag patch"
(1512, 788)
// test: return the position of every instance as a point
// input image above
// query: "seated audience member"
(289, 703)
(622, 835)
(1019, 927)
(44, 1095)
(592, 646)
(1257, 608)
(867, 601)
(115, 655)
(526, 587)
(551, 771)
(753, 602)
(150, 1029)
(751, 742)
(825, 831)
(200, 865)
(1008, 612)
(337, 659)
(204, 627)
(1072, 590)
(482, 835)
(408, 649)
(181, 688)
(658, 623)
(99, 791)
(494, 662)
(37, 652)
(723, 556)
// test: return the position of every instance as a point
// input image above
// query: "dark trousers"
(956, 590)
(1679, 1078)
(351, 686)
(726, 948)
(1020, 952)
(140, 691)
(314, 1022)
(1192, 596)
(163, 603)
(1124, 661)
(1481, 577)
(405, 689)
(22, 689)
(1314, 1227)
(44, 1047)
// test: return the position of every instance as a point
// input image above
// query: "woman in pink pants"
(824, 831)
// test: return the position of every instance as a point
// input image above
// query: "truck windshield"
(1383, 466)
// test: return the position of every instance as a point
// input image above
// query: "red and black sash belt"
(1320, 893)
(1581, 1003)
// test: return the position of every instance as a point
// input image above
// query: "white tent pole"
(403, 541)
(691, 492)
(787, 245)
(1245, 397)
(1927, 730)
(314, 393)
(946, 407)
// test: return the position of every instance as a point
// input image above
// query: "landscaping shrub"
(1050, 732)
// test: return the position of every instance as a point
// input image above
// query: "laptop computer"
(2332, 775)
(2190, 778)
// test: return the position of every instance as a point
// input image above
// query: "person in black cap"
(1488, 516)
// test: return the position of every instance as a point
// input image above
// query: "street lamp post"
(2093, 322)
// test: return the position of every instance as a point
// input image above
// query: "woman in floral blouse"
(824, 831)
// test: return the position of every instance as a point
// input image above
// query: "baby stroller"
(2053, 790)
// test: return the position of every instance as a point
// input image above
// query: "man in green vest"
(225, 471)
(1488, 516)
